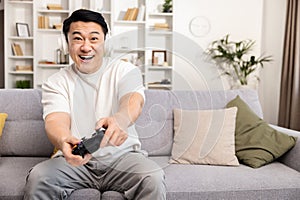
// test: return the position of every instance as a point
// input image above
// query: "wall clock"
(199, 26)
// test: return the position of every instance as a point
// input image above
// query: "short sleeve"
(131, 82)
(54, 99)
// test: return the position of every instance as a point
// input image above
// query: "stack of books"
(161, 26)
(135, 14)
(43, 22)
(24, 68)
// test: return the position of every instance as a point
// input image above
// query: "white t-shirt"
(89, 97)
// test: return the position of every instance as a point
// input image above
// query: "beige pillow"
(3, 117)
(204, 137)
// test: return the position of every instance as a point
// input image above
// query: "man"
(89, 94)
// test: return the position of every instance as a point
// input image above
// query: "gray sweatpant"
(134, 175)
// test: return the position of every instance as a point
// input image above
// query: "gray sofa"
(24, 144)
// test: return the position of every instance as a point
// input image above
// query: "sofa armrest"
(292, 157)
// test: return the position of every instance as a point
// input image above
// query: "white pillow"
(204, 137)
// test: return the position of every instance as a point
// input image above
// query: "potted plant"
(234, 60)
(167, 6)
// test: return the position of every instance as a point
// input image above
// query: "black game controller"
(89, 145)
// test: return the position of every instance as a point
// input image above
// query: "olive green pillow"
(256, 143)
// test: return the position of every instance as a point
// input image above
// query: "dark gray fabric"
(111, 195)
(86, 194)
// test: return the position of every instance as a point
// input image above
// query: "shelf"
(20, 57)
(21, 2)
(129, 22)
(161, 14)
(21, 72)
(161, 32)
(53, 11)
(20, 38)
(49, 30)
(53, 66)
(127, 50)
(160, 68)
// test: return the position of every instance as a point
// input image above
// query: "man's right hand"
(57, 126)
(74, 160)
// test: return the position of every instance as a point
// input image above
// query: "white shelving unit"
(18, 12)
(159, 76)
(131, 40)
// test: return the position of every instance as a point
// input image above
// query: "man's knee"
(155, 181)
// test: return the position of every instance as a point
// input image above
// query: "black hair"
(84, 15)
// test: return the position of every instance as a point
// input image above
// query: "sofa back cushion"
(24, 133)
(155, 124)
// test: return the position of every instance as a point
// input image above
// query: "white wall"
(241, 19)
(272, 37)
(260, 20)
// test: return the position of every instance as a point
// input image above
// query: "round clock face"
(199, 26)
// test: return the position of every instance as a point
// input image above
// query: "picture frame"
(159, 57)
(22, 29)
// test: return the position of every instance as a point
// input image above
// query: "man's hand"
(114, 134)
(130, 107)
(57, 127)
(74, 160)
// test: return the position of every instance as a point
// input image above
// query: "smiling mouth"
(86, 58)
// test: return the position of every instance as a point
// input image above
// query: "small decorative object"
(234, 60)
(22, 30)
(167, 6)
(51, 6)
(159, 57)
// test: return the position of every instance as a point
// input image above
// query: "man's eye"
(77, 38)
(94, 39)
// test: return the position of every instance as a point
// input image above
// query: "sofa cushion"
(24, 133)
(3, 117)
(13, 175)
(204, 137)
(256, 142)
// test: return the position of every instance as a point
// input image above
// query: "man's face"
(86, 45)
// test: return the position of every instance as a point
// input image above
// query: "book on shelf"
(43, 22)
(161, 26)
(54, 7)
(16, 49)
(131, 14)
(24, 68)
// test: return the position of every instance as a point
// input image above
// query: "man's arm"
(130, 107)
(57, 127)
